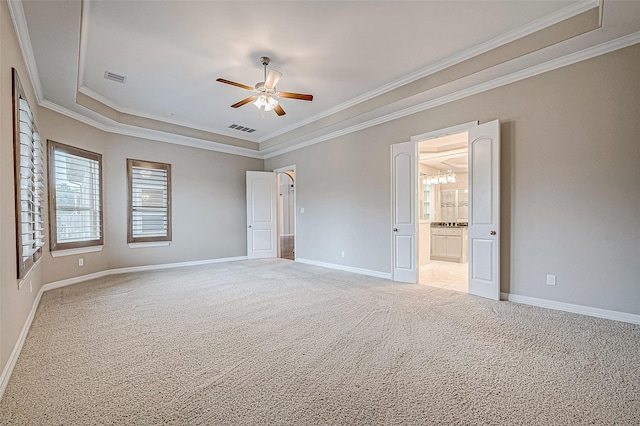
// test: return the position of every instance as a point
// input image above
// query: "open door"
(484, 210)
(262, 226)
(404, 214)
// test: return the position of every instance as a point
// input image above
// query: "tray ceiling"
(171, 52)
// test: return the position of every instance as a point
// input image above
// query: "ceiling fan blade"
(299, 96)
(244, 101)
(233, 83)
(278, 109)
(272, 79)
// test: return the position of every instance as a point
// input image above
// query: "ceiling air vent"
(242, 128)
(114, 77)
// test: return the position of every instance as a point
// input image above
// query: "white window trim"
(26, 278)
(149, 244)
(79, 250)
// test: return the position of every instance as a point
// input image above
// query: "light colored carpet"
(278, 342)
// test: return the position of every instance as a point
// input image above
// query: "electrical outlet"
(301, 209)
(551, 280)
(342, 253)
(81, 262)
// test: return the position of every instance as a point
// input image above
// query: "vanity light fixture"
(441, 178)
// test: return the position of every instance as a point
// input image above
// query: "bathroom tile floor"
(449, 275)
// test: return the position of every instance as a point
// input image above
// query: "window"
(149, 201)
(29, 182)
(75, 197)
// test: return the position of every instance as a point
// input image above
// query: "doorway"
(286, 212)
(443, 212)
(483, 251)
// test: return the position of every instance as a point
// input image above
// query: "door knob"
(395, 229)
(493, 232)
(249, 226)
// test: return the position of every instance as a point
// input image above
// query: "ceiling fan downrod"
(265, 61)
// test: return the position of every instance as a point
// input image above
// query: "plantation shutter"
(75, 181)
(150, 215)
(31, 186)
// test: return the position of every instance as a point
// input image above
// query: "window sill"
(79, 250)
(150, 244)
(24, 279)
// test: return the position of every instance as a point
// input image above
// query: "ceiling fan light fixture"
(265, 92)
(265, 103)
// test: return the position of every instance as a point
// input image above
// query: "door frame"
(295, 207)
(416, 139)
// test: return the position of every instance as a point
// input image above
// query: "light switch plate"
(551, 280)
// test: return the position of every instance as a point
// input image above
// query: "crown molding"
(537, 25)
(569, 59)
(98, 97)
(22, 32)
(18, 17)
(153, 135)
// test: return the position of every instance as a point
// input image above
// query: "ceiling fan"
(266, 92)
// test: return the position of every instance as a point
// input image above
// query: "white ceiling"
(342, 52)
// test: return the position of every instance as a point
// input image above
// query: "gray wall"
(208, 200)
(15, 304)
(570, 203)
(209, 213)
(570, 177)
(208, 197)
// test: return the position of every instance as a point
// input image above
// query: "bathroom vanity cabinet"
(449, 244)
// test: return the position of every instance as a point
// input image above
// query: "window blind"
(77, 207)
(150, 215)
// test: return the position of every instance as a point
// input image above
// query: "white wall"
(570, 175)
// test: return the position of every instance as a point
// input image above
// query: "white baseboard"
(13, 358)
(75, 280)
(360, 271)
(533, 301)
(568, 307)
(175, 265)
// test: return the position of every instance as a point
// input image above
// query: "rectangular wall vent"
(114, 77)
(242, 128)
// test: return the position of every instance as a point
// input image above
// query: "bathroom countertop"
(449, 225)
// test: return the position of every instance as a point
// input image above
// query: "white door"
(262, 191)
(404, 214)
(484, 210)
